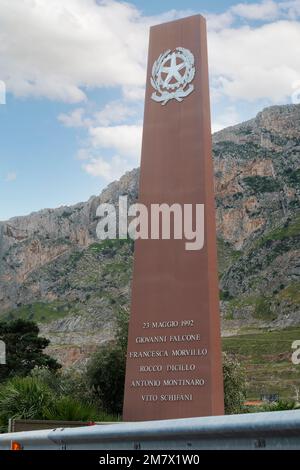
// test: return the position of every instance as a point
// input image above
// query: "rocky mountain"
(54, 270)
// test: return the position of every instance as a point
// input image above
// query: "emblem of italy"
(172, 74)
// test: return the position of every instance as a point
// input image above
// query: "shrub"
(234, 385)
(281, 405)
(106, 376)
(39, 397)
(263, 309)
(69, 382)
(262, 184)
(225, 295)
(24, 398)
(69, 409)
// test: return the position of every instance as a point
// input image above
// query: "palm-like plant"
(33, 398)
(70, 409)
(24, 398)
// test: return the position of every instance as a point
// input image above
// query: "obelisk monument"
(174, 366)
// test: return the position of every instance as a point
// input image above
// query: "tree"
(106, 373)
(234, 385)
(24, 349)
(106, 376)
(106, 369)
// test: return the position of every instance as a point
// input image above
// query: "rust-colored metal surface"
(175, 292)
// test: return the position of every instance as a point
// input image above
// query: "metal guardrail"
(21, 425)
(273, 430)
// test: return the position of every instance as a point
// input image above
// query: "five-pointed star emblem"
(172, 74)
(173, 70)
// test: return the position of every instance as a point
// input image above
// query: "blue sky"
(74, 72)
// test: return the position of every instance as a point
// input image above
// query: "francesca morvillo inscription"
(171, 349)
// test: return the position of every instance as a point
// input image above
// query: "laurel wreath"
(156, 80)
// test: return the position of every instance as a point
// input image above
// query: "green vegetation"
(291, 293)
(106, 368)
(244, 131)
(225, 295)
(227, 255)
(234, 384)
(66, 214)
(24, 349)
(31, 385)
(106, 375)
(262, 184)
(289, 230)
(236, 304)
(260, 306)
(247, 150)
(109, 246)
(75, 257)
(118, 273)
(36, 397)
(293, 177)
(40, 312)
(281, 405)
(263, 309)
(71, 409)
(266, 356)
(24, 398)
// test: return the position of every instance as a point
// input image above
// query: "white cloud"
(291, 8)
(229, 117)
(220, 21)
(114, 112)
(75, 118)
(2, 92)
(255, 63)
(124, 139)
(60, 50)
(109, 170)
(246, 63)
(55, 49)
(266, 10)
(105, 132)
(84, 153)
(133, 93)
(11, 176)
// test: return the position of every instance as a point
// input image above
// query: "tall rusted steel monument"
(174, 367)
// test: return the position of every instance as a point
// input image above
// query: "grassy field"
(266, 357)
(40, 312)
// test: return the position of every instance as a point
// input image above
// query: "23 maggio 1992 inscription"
(165, 371)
